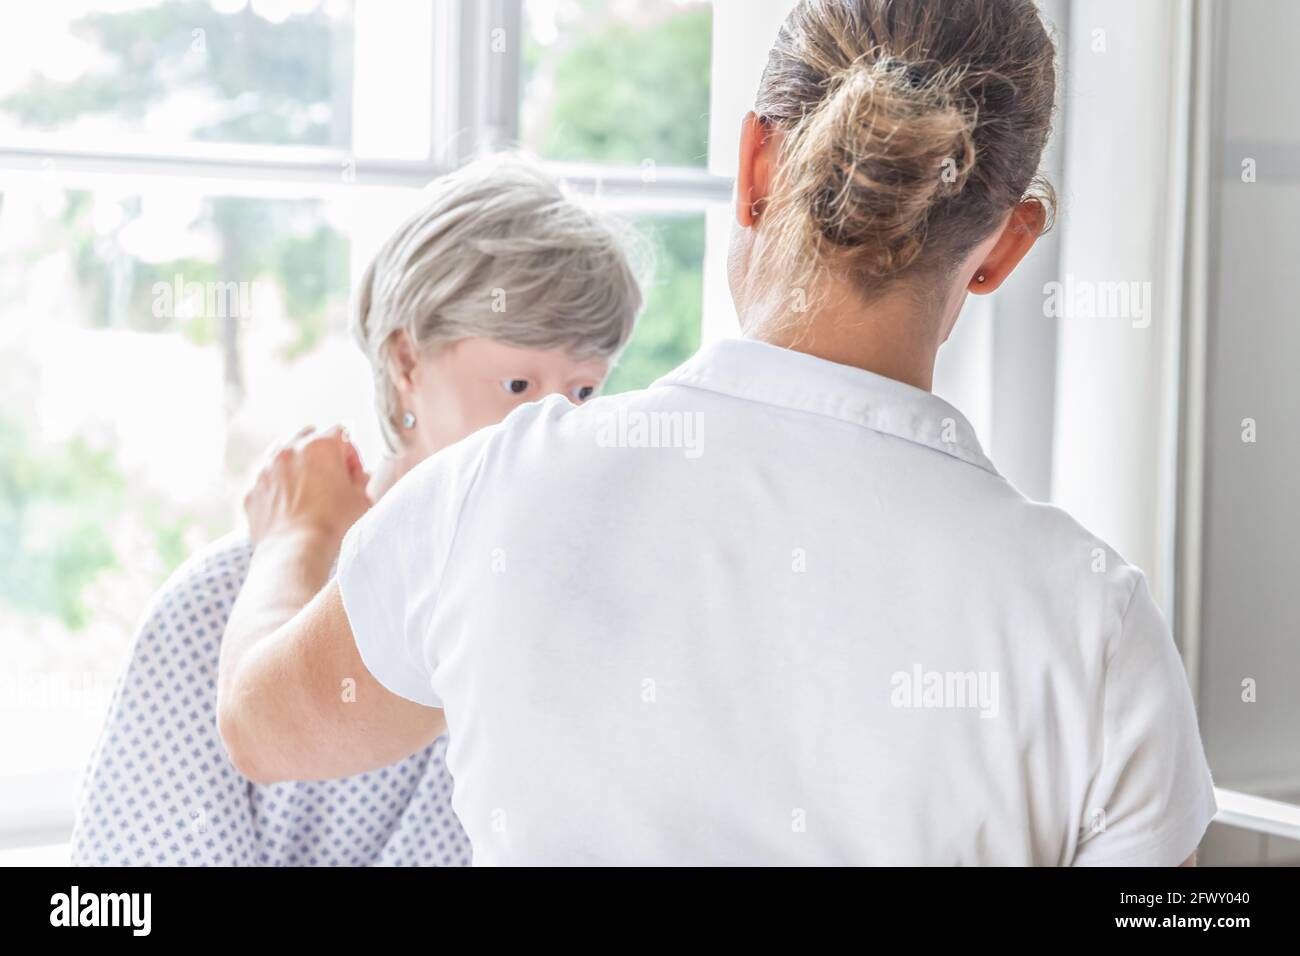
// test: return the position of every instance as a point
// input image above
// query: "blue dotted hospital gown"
(160, 789)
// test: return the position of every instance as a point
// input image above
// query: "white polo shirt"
(773, 610)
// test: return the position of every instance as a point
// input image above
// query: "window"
(186, 188)
(270, 72)
(192, 373)
(592, 65)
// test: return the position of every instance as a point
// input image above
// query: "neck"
(893, 335)
(387, 473)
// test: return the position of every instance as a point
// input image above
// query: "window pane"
(153, 341)
(668, 332)
(616, 81)
(272, 72)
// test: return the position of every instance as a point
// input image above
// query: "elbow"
(241, 742)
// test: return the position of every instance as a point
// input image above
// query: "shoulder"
(207, 583)
(216, 568)
(533, 438)
(524, 429)
(1059, 560)
(183, 624)
(554, 428)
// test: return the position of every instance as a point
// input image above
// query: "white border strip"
(328, 168)
(1236, 809)
(1258, 814)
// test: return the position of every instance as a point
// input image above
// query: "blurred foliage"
(61, 506)
(624, 91)
(312, 270)
(286, 84)
(53, 504)
(669, 330)
(274, 84)
(271, 84)
(629, 84)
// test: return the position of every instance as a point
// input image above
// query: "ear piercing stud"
(408, 420)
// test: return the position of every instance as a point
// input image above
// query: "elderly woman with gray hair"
(499, 291)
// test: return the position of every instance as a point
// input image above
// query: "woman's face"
(459, 388)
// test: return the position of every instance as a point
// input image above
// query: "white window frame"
(477, 107)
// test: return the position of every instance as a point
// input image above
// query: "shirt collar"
(765, 373)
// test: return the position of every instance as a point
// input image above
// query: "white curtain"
(1123, 194)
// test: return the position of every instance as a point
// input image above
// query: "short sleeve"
(391, 565)
(1152, 797)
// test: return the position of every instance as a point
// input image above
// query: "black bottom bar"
(330, 906)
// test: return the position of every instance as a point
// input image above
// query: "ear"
(401, 359)
(1023, 227)
(759, 144)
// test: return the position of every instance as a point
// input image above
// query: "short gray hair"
(497, 251)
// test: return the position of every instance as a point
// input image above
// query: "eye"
(515, 386)
(583, 392)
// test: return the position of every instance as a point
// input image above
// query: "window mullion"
(485, 99)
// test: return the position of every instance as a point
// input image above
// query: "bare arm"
(294, 699)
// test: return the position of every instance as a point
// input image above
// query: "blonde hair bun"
(907, 128)
(872, 160)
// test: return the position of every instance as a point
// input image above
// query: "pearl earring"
(408, 420)
(980, 277)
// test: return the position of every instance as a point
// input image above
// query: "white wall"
(1251, 548)
(1121, 201)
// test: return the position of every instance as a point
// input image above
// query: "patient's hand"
(313, 484)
